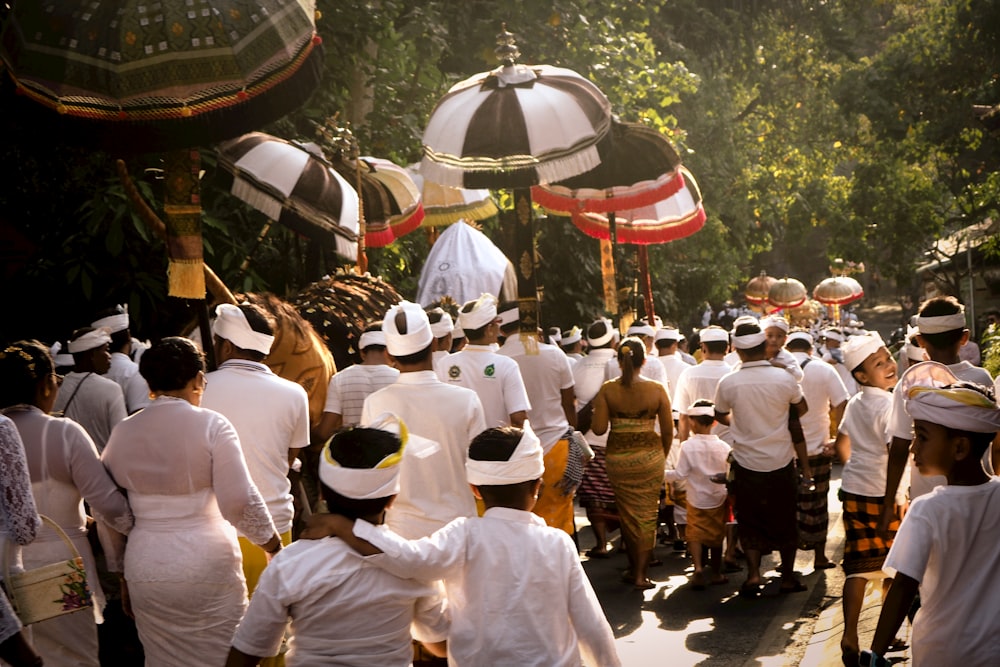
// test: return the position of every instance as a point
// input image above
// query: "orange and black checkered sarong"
(864, 550)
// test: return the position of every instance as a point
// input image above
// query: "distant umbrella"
(444, 204)
(758, 288)
(787, 293)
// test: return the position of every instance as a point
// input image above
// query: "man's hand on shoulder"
(319, 526)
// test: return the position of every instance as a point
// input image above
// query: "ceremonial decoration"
(757, 290)
(787, 293)
(444, 205)
(836, 292)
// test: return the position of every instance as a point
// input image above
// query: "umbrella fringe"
(508, 172)
(652, 234)
(563, 199)
(480, 211)
(263, 202)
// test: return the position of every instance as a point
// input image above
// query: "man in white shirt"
(548, 378)
(443, 327)
(572, 343)
(441, 419)
(700, 381)
(833, 338)
(86, 395)
(348, 389)
(270, 415)
(123, 370)
(827, 397)
(666, 341)
(754, 401)
(494, 377)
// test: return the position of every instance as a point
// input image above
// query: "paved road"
(677, 626)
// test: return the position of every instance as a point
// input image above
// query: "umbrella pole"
(525, 261)
(246, 260)
(362, 256)
(647, 283)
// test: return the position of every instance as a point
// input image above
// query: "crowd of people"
(448, 467)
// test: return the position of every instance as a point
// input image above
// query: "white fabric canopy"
(463, 264)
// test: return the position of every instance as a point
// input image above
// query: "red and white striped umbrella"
(294, 186)
(514, 127)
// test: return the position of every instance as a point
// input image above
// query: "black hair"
(361, 449)
(631, 355)
(170, 364)
(599, 329)
(434, 316)
(509, 327)
(498, 444)
(22, 366)
(665, 343)
(716, 346)
(704, 420)
(375, 347)
(415, 358)
(259, 321)
(799, 344)
(747, 329)
(941, 306)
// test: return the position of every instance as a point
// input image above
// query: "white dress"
(190, 491)
(18, 518)
(65, 471)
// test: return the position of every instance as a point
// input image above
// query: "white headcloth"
(231, 324)
(444, 326)
(833, 334)
(774, 321)
(371, 338)
(928, 398)
(701, 411)
(379, 481)
(416, 334)
(941, 323)
(641, 329)
(58, 358)
(713, 335)
(90, 340)
(609, 333)
(571, 336)
(509, 316)
(749, 341)
(668, 333)
(114, 323)
(860, 347)
(484, 311)
(799, 335)
(525, 464)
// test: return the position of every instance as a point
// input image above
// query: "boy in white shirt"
(703, 462)
(517, 592)
(947, 542)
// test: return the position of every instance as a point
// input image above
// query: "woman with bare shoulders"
(632, 406)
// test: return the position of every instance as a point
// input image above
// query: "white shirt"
(701, 457)
(844, 372)
(271, 416)
(697, 382)
(125, 372)
(98, 406)
(673, 366)
(823, 389)
(545, 375)
(901, 424)
(588, 375)
(344, 611)
(866, 421)
(517, 592)
(759, 396)
(441, 421)
(652, 369)
(948, 543)
(495, 378)
(348, 389)
(787, 362)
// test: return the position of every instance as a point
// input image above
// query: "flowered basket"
(50, 590)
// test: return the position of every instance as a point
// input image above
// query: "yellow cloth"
(254, 562)
(553, 505)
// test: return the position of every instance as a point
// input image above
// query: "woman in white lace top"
(183, 469)
(18, 524)
(65, 471)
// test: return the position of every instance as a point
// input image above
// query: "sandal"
(644, 586)
(752, 591)
(698, 581)
(897, 644)
(825, 566)
(597, 553)
(795, 587)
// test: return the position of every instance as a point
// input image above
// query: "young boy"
(861, 443)
(704, 463)
(516, 590)
(947, 542)
(342, 609)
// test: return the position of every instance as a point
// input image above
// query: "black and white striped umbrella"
(514, 127)
(294, 186)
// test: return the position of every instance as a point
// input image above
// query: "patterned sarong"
(635, 463)
(765, 508)
(553, 505)
(708, 526)
(595, 493)
(813, 513)
(864, 550)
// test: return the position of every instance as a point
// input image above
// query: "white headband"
(833, 334)
(555, 337)
(942, 323)
(701, 411)
(90, 340)
(749, 341)
(418, 330)
(484, 311)
(114, 323)
(509, 316)
(858, 348)
(606, 338)
(668, 333)
(525, 464)
(365, 483)
(957, 408)
(444, 326)
(231, 324)
(641, 330)
(572, 336)
(914, 352)
(713, 335)
(779, 322)
(799, 335)
(60, 359)
(370, 338)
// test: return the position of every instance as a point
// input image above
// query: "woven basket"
(50, 590)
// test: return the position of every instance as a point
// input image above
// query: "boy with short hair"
(341, 608)
(947, 542)
(703, 462)
(516, 590)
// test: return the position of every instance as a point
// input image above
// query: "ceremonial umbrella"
(787, 293)
(757, 290)
(444, 204)
(514, 127)
(679, 215)
(286, 182)
(838, 291)
(392, 201)
(136, 77)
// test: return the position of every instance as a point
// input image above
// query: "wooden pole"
(647, 283)
(524, 259)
